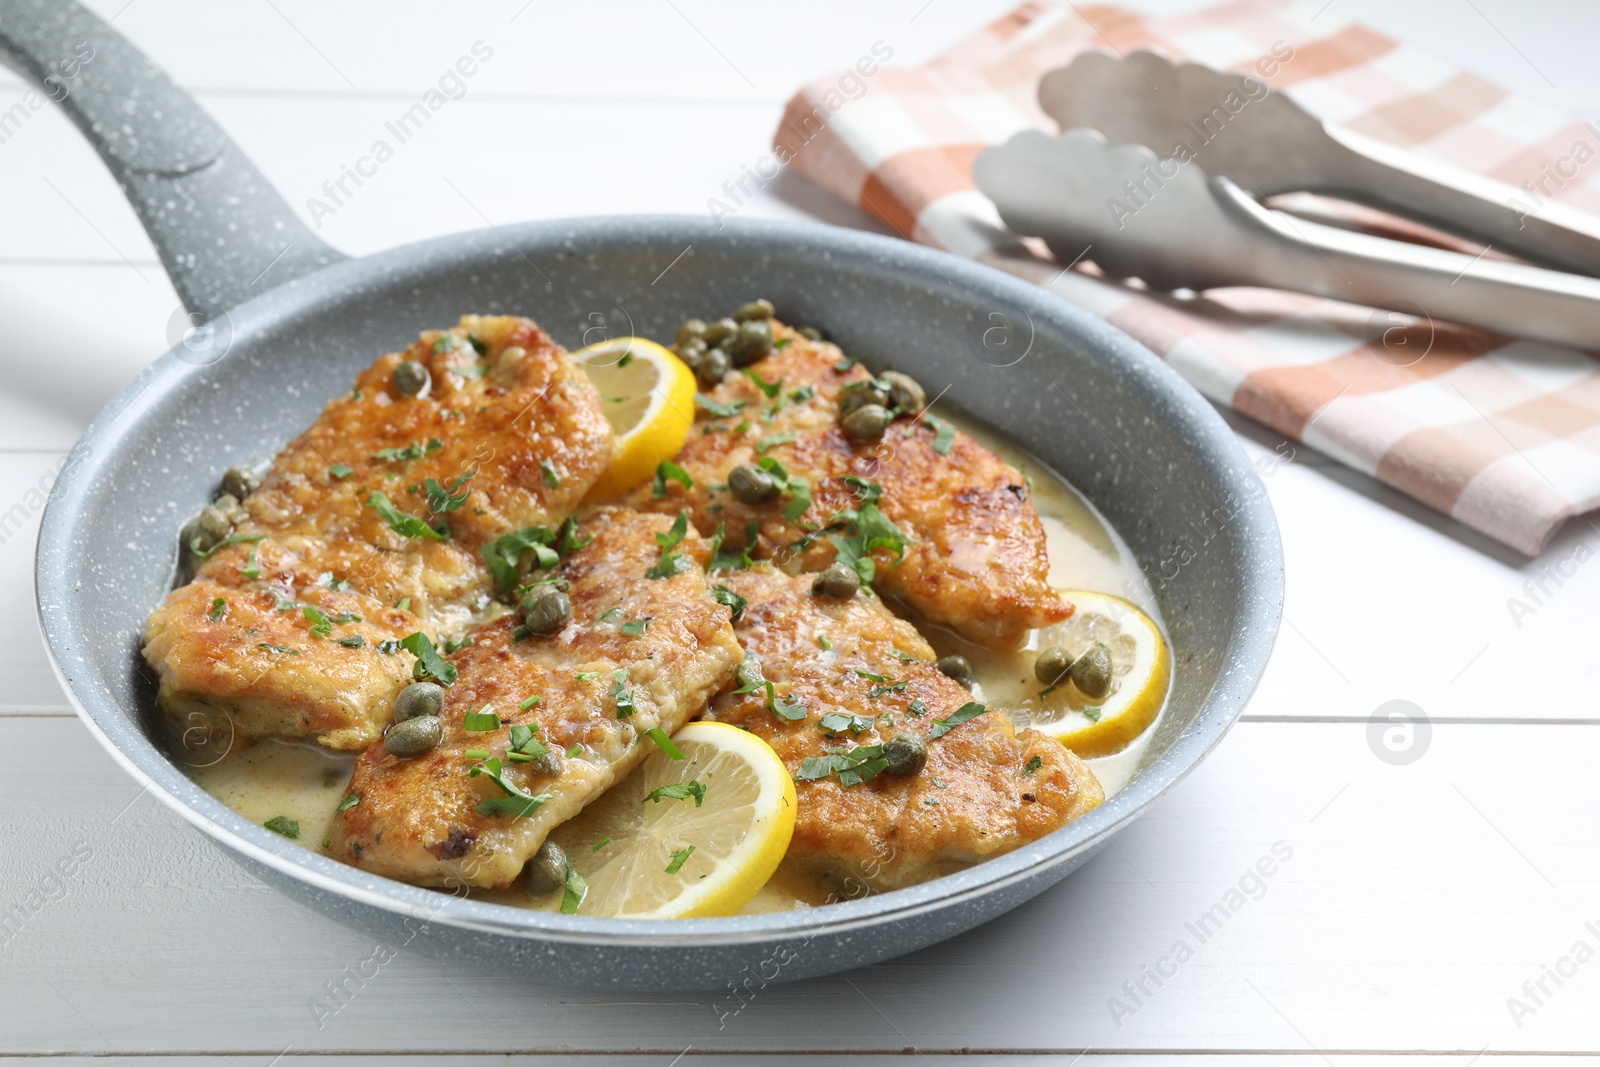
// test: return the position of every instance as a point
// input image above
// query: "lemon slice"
(1140, 670)
(675, 858)
(647, 395)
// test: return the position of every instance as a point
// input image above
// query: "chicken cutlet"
(854, 703)
(645, 648)
(973, 546)
(377, 517)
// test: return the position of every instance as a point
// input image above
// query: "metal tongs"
(1165, 200)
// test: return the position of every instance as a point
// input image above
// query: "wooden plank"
(476, 163)
(687, 50)
(688, 1058)
(1413, 902)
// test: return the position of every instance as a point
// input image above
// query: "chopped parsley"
(240, 539)
(774, 440)
(278, 648)
(515, 802)
(352, 641)
(1033, 765)
(866, 529)
(620, 693)
(321, 625)
(722, 560)
(671, 562)
(552, 477)
(504, 554)
(664, 743)
(730, 600)
(853, 766)
(716, 409)
(452, 645)
(943, 434)
(798, 488)
(339, 472)
(768, 389)
(407, 526)
(250, 570)
(837, 722)
(524, 747)
(219, 608)
(634, 627)
(1092, 714)
(573, 892)
(678, 858)
(667, 471)
(429, 663)
(280, 824)
(678, 791)
(415, 450)
(845, 365)
(480, 722)
(349, 802)
(823, 643)
(526, 704)
(442, 499)
(970, 710)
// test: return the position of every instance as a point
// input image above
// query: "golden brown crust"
(501, 415)
(258, 664)
(976, 798)
(416, 819)
(977, 562)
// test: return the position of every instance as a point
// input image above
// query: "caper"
(907, 754)
(414, 736)
(957, 669)
(811, 333)
(410, 377)
(714, 367)
(1052, 665)
(548, 764)
(214, 523)
(750, 485)
(755, 309)
(692, 352)
(753, 342)
(692, 329)
(1092, 673)
(419, 699)
(240, 482)
(546, 872)
(545, 611)
(904, 392)
(720, 331)
(839, 582)
(858, 394)
(228, 504)
(866, 423)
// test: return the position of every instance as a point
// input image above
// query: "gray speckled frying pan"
(286, 322)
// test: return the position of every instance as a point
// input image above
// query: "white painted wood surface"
(1418, 898)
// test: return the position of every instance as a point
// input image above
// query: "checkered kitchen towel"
(1502, 434)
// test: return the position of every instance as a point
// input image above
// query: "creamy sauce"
(303, 782)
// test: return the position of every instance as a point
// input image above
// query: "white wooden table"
(1419, 897)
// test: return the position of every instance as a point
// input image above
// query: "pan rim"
(1257, 557)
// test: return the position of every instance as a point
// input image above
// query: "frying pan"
(282, 322)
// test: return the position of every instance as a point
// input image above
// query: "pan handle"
(223, 233)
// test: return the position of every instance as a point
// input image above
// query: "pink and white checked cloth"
(1502, 434)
